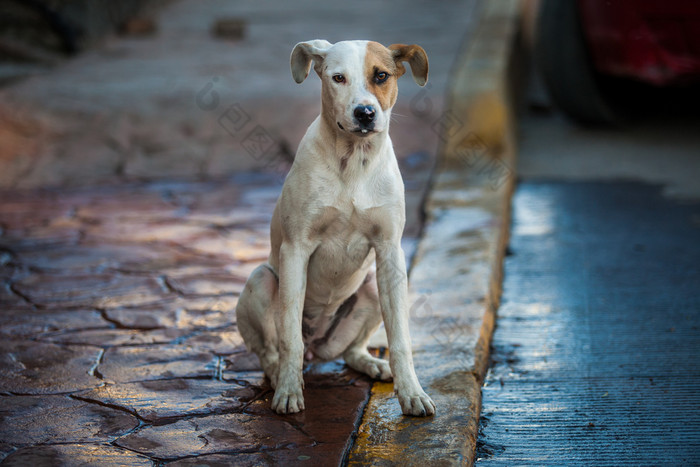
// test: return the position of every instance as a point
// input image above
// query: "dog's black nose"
(365, 115)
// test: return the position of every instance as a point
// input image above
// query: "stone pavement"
(118, 335)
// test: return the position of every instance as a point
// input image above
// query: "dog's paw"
(284, 402)
(379, 369)
(376, 368)
(416, 404)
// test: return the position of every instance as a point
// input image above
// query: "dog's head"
(359, 79)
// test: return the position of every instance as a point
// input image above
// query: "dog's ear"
(416, 57)
(304, 53)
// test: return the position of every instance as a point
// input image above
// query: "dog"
(337, 268)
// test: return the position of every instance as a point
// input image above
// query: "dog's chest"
(340, 254)
(339, 263)
(344, 231)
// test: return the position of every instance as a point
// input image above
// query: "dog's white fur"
(341, 210)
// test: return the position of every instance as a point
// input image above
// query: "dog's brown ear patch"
(416, 57)
(305, 52)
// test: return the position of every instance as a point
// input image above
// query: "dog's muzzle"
(365, 116)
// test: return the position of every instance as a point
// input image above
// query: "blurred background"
(95, 91)
(613, 92)
(121, 90)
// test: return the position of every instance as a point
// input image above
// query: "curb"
(466, 233)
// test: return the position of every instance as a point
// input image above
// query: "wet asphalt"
(595, 354)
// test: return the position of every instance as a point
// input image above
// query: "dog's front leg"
(288, 396)
(393, 291)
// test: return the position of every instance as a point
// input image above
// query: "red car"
(584, 45)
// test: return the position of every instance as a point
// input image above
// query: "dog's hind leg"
(356, 355)
(256, 321)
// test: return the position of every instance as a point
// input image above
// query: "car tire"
(563, 60)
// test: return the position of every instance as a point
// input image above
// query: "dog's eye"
(339, 79)
(380, 77)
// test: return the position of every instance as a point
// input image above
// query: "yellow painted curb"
(455, 282)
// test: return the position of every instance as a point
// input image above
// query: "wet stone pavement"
(118, 338)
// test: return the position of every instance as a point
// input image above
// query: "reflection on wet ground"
(595, 352)
(118, 332)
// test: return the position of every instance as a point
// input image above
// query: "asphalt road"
(595, 354)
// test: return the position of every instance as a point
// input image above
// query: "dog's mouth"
(362, 132)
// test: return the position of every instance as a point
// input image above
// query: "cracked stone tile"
(39, 238)
(215, 434)
(241, 362)
(76, 455)
(145, 230)
(245, 269)
(213, 197)
(333, 373)
(90, 291)
(99, 257)
(224, 342)
(254, 378)
(17, 323)
(114, 337)
(136, 203)
(31, 420)
(170, 257)
(329, 419)
(264, 194)
(5, 450)
(10, 301)
(189, 313)
(160, 400)
(151, 317)
(325, 404)
(7, 270)
(229, 216)
(131, 364)
(209, 283)
(28, 367)
(242, 245)
(321, 454)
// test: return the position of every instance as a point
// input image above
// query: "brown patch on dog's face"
(381, 74)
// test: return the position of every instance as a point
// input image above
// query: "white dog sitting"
(341, 209)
